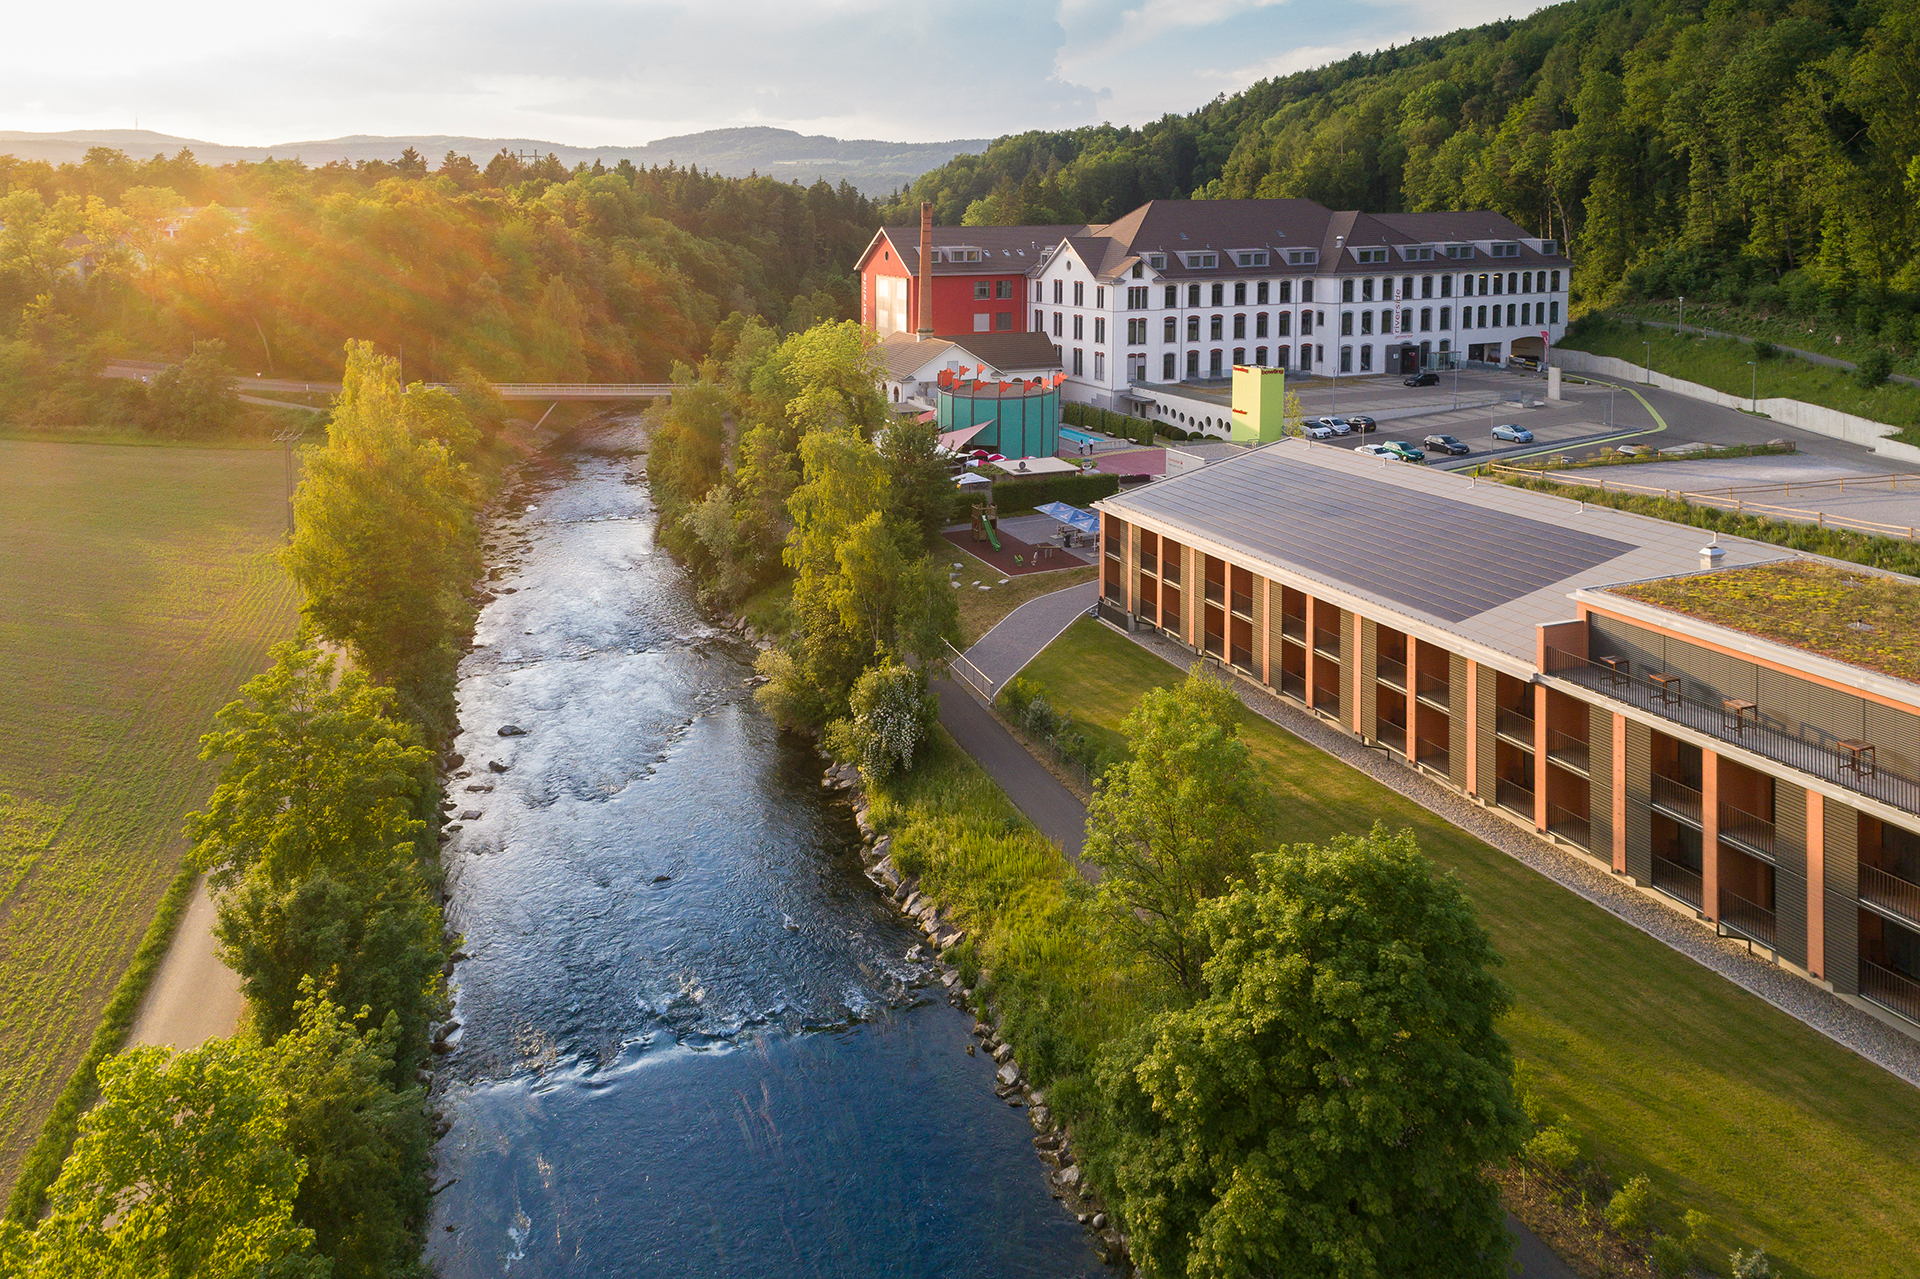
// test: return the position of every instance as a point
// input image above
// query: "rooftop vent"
(1712, 554)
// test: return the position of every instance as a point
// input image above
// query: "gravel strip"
(1826, 1013)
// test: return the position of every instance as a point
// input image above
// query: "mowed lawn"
(137, 592)
(1730, 1106)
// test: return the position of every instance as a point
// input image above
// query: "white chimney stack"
(1712, 554)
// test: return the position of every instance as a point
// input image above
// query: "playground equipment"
(986, 520)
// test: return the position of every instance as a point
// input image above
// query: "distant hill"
(876, 168)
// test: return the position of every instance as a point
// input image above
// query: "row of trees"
(1672, 146)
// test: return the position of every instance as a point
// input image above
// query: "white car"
(1375, 450)
(1315, 431)
(1337, 425)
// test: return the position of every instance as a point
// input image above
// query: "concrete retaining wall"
(1832, 423)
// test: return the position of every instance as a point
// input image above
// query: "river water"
(691, 1040)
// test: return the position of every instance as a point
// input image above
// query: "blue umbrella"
(1085, 521)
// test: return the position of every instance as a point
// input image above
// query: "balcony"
(1326, 701)
(1241, 658)
(1294, 686)
(1294, 627)
(1746, 919)
(1569, 752)
(1749, 834)
(1213, 644)
(1677, 882)
(1890, 990)
(1242, 605)
(1817, 758)
(1392, 735)
(1431, 755)
(1514, 726)
(1149, 562)
(1170, 571)
(1573, 827)
(1677, 800)
(1433, 691)
(1513, 797)
(1326, 643)
(1393, 674)
(1889, 894)
(1216, 593)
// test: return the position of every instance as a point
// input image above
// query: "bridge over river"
(257, 389)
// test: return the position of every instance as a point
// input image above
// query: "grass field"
(1730, 1106)
(981, 611)
(137, 592)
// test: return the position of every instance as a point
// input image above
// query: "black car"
(1421, 379)
(1446, 444)
(1361, 425)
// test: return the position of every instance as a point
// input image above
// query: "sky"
(626, 72)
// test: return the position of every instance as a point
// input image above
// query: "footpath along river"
(691, 1041)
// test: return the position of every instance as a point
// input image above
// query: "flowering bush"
(892, 714)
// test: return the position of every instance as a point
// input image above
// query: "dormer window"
(1458, 251)
(1368, 256)
(1303, 257)
(1158, 261)
(1250, 257)
(1201, 261)
(1506, 250)
(1417, 252)
(1549, 248)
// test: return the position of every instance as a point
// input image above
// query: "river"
(691, 1040)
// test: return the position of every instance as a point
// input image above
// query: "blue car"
(1513, 434)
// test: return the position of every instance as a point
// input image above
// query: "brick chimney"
(926, 270)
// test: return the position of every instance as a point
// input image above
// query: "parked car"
(1338, 425)
(1315, 431)
(1421, 379)
(1375, 450)
(1447, 444)
(1405, 452)
(1513, 434)
(1362, 424)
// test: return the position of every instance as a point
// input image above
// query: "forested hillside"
(513, 271)
(1674, 145)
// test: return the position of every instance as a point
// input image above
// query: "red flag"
(979, 370)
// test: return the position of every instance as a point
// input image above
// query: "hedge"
(1038, 490)
(1087, 417)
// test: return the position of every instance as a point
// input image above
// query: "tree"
(1327, 1108)
(893, 713)
(1174, 823)
(180, 1170)
(194, 398)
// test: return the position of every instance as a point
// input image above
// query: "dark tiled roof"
(1011, 250)
(1007, 351)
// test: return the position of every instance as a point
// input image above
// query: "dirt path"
(194, 997)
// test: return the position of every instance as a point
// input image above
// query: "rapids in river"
(691, 1041)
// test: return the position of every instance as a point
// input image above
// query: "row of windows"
(1428, 319)
(1266, 292)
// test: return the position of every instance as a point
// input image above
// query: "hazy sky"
(624, 72)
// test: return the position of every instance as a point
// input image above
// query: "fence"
(1734, 498)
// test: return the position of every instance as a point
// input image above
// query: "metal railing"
(1890, 990)
(1214, 643)
(1677, 881)
(1241, 657)
(1817, 758)
(1294, 627)
(1746, 832)
(1242, 604)
(1391, 673)
(1326, 643)
(1677, 800)
(1569, 752)
(1149, 562)
(1434, 691)
(1392, 734)
(1575, 828)
(1170, 620)
(1747, 919)
(1515, 726)
(1293, 685)
(1170, 571)
(1513, 797)
(1432, 754)
(1216, 593)
(1326, 701)
(1890, 893)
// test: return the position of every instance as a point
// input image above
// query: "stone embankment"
(1052, 1140)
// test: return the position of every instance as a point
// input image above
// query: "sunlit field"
(137, 591)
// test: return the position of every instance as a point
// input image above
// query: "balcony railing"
(1293, 685)
(1294, 627)
(1326, 643)
(1393, 735)
(1569, 752)
(1746, 832)
(1170, 571)
(1746, 919)
(1677, 881)
(1391, 673)
(1890, 990)
(1149, 562)
(1890, 893)
(1573, 827)
(1676, 799)
(1214, 644)
(1514, 726)
(1241, 657)
(1170, 621)
(1434, 691)
(1818, 758)
(1513, 797)
(1326, 701)
(1216, 593)
(1432, 754)
(1243, 604)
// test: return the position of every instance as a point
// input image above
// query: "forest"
(516, 271)
(1759, 152)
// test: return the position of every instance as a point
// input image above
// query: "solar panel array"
(1448, 559)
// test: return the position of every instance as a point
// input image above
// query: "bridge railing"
(585, 390)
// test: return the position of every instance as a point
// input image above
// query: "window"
(1219, 295)
(1512, 280)
(1240, 327)
(1213, 363)
(1366, 359)
(1509, 315)
(1406, 320)
(1306, 324)
(1548, 248)
(1099, 366)
(1346, 291)
(1100, 299)
(1303, 257)
(1285, 328)
(1193, 328)
(1417, 252)
(1306, 291)
(1200, 261)
(1260, 325)
(1505, 250)
(1167, 334)
(1260, 293)
(1553, 313)
(1239, 292)
(1136, 332)
(1251, 257)
(1446, 286)
(1239, 355)
(1426, 319)
(1466, 286)
(1483, 317)
(1003, 321)
(1283, 356)
(1526, 281)
(1346, 359)
(1498, 280)
(1213, 328)
(1526, 313)
(1406, 287)
(1446, 316)
(1079, 362)
(1003, 288)
(1556, 283)
(1369, 255)
(1426, 286)
(981, 290)
(982, 322)
(1099, 328)
(1366, 291)
(1346, 323)
(1137, 299)
(1312, 355)
(1193, 295)
(1173, 296)
(1193, 364)
(1260, 356)
(1459, 251)
(1158, 261)
(1079, 292)
(1166, 367)
(1286, 292)
(1056, 324)
(1079, 326)
(1039, 321)
(1366, 323)
(1058, 297)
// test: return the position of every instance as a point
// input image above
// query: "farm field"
(137, 592)
(1730, 1106)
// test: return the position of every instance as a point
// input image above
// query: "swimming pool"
(1074, 435)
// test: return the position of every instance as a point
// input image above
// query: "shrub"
(1553, 1149)
(1765, 350)
(1874, 368)
(1039, 719)
(1751, 1265)
(1627, 1210)
(1671, 1258)
(893, 712)
(1018, 692)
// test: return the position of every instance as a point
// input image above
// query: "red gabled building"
(978, 275)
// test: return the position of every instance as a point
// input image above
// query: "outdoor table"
(1617, 671)
(1859, 757)
(1740, 713)
(1668, 687)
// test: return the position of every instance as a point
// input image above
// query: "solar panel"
(1451, 560)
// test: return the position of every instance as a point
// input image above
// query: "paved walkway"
(1812, 357)
(1019, 636)
(194, 997)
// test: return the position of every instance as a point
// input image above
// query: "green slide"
(993, 538)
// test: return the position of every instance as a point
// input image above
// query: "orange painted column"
(1710, 834)
(1193, 587)
(1816, 884)
(1313, 606)
(1266, 631)
(1357, 674)
(1620, 793)
(1539, 756)
(1473, 727)
(1413, 704)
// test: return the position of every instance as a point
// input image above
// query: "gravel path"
(194, 997)
(1839, 1021)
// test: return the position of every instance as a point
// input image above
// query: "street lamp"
(1683, 312)
(1754, 386)
(1649, 347)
